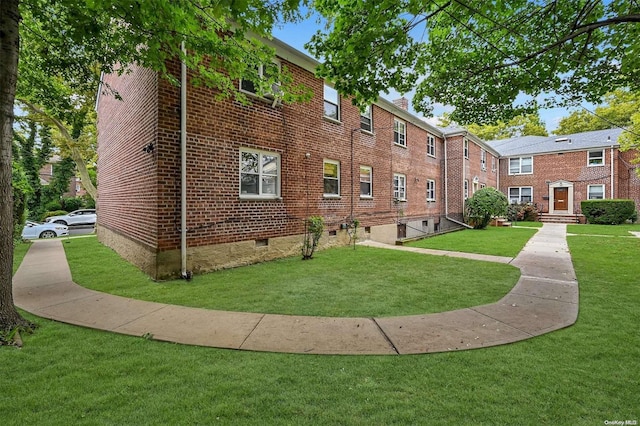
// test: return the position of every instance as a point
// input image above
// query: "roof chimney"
(402, 103)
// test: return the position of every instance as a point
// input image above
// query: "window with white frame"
(483, 159)
(366, 123)
(521, 166)
(431, 190)
(466, 147)
(466, 189)
(595, 158)
(493, 163)
(331, 103)
(595, 192)
(522, 194)
(259, 174)
(366, 180)
(399, 187)
(431, 146)
(331, 175)
(264, 71)
(399, 132)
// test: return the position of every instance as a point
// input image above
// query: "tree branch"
(75, 153)
(579, 31)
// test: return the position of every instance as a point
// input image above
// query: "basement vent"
(333, 233)
(262, 242)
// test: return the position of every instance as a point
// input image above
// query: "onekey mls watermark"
(621, 422)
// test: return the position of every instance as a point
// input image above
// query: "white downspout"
(183, 167)
(612, 169)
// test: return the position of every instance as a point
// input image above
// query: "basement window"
(264, 242)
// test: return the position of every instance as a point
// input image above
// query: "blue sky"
(298, 34)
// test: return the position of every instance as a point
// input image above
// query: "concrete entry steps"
(544, 299)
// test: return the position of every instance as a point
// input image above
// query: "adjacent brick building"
(255, 172)
(558, 172)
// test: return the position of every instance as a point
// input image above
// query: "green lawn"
(617, 230)
(19, 253)
(497, 241)
(582, 375)
(528, 224)
(337, 282)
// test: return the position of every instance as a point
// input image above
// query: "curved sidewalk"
(544, 299)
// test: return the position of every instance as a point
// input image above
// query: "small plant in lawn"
(313, 228)
(352, 230)
(485, 204)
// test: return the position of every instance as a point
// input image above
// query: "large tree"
(616, 111)
(490, 60)
(72, 39)
(522, 125)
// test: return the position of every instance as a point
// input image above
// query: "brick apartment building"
(255, 172)
(556, 173)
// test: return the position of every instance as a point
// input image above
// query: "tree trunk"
(84, 174)
(9, 48)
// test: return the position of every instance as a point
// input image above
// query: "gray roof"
(556, 143)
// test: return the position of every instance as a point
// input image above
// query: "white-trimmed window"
(259, 174)
(521, 166)
(466, 189)
(522, 194)
(264, 71)
(595, 157)
(366, 181)
(331, 103)
(366, 122)
(399, 132)
(483, 159)
(331, 176)
(431, 190)
(399, 187)
(465, 143)
(431, 146)
(595, 192)
(493, 163)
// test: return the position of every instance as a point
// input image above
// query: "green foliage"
(617, 109)
(483, 205)
(522, 125)
(608, 212)
(491, 60)
(72, 203)
(53, 205)
(21, 192)
(522, 212)
(63, 171)
(313, 228)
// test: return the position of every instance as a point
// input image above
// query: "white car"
(33, 230)
(77, 217)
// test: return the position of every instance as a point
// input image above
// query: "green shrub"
(53, 206)
(608, 212)
(72, 203)
(522, 212)
(485, 204)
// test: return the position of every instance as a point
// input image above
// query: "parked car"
(33, 230)
(77, 217)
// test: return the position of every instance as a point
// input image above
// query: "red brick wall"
(127, 202)
(568, 166)
(217, 131)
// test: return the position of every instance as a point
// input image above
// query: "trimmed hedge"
(608, 212)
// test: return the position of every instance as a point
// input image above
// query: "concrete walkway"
(544, 299)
